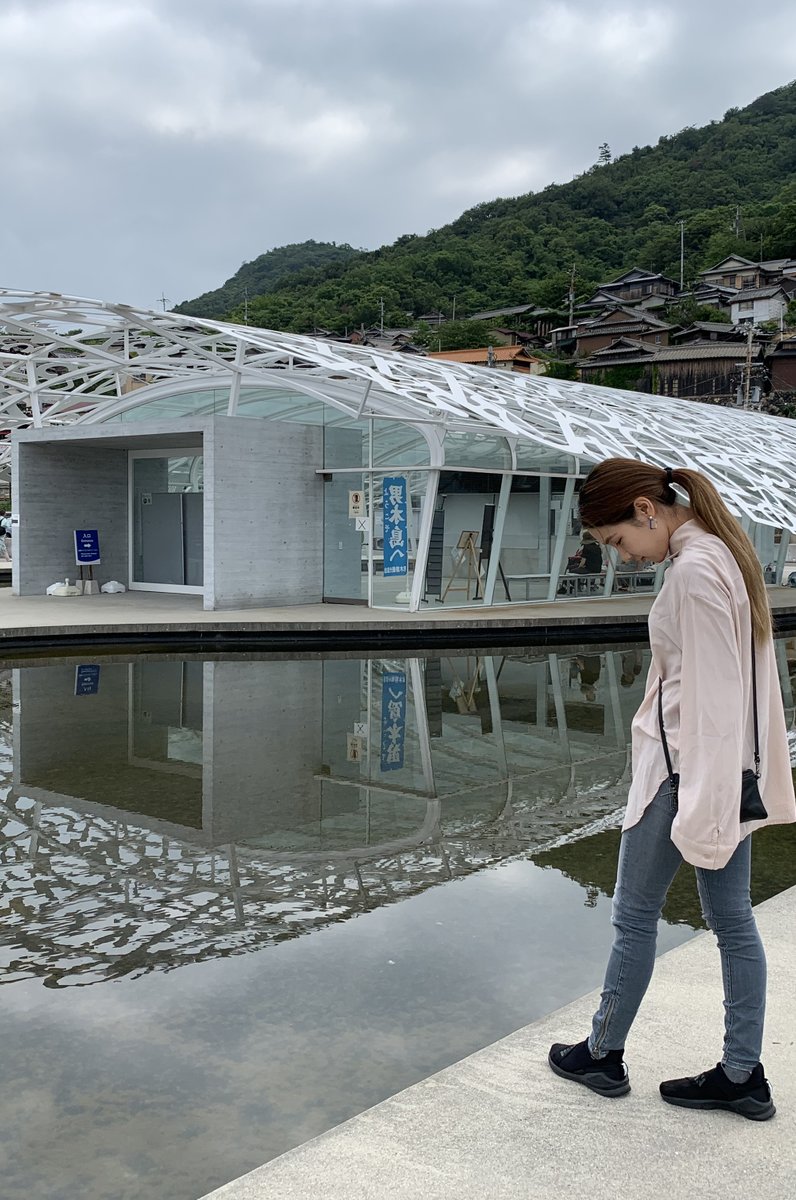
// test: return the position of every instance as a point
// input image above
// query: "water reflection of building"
(164, 812)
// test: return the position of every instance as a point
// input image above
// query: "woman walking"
(712, 698)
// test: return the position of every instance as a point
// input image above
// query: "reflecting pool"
(245, 897)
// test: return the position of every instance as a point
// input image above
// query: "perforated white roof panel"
(65, 359)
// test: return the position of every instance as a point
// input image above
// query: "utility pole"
(163, 301)
(572, 296)
(381, 315)
(738, 223)
(682, 249)
(453, 314)
(747, 375)
(245, 306)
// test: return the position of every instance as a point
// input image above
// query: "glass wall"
(395, 503)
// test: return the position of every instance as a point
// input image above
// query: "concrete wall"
(263, 514)
(59, 487)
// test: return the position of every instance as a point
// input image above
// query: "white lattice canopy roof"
(65, 359)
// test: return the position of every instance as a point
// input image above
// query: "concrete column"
(263, 533)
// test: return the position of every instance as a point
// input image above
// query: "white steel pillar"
(610, 571)
(424, 540)
(497, 539)
(783, 553)
(234, 387)
(33, 388)
(543, 523)
(497, 719)
(561, 537)
(613, 693)
(421, 717)
(558, 700)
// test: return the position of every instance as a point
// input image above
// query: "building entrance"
(167, 516)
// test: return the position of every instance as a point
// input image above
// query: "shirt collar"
(686, 533)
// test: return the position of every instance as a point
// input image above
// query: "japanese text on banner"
(396, 544)
(393, 720)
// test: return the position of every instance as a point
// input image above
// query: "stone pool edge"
(499, 1123)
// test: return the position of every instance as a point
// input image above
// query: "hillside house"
(752, 306)
(563, 339)
(708, 371)
(740, 273)
(713, 294)
(781, 364)
(707, 331)
(502, 358)
(632, 287)
(603, 330)
(520, 324)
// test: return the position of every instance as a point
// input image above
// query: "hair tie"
(669, 474)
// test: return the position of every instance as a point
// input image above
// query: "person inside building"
(5, 535)
(587, 560)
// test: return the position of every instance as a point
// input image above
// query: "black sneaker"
(714, 1090)
(607, 1076)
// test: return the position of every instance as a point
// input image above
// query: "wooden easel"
(468, 554)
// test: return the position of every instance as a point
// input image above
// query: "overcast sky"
(152, 146)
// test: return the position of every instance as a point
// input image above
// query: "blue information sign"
(87, 551)
(87, 677)
(396, 545)
(393, 720)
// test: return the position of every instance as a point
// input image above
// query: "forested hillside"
(300, 265)
(733, 182)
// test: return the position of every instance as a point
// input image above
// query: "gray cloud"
(156, 144)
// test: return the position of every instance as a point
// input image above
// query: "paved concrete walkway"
(500, 1124)
(152, 613)
(160, 608)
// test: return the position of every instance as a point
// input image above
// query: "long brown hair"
(607, 498)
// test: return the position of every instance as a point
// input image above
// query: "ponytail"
(711, 511)
(608, 495)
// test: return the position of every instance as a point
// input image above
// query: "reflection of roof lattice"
(123, 364)
(100, 899)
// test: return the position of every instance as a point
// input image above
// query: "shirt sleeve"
(705, 829)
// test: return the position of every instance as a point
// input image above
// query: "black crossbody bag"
(752, 807)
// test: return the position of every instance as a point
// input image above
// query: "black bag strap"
(663, 731)
(754, 709)
(754, 714)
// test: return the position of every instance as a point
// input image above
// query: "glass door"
(345, 559)
(167, 517)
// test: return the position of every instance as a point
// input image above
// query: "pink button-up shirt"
(700, 634)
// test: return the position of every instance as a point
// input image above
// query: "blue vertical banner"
(396, 542)
(393, 720)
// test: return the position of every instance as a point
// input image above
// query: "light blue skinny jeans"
(648, 863)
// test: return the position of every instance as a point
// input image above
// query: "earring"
(653, 523)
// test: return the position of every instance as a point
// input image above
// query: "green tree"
(560, 369)
(686, 312)
(460, 335)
